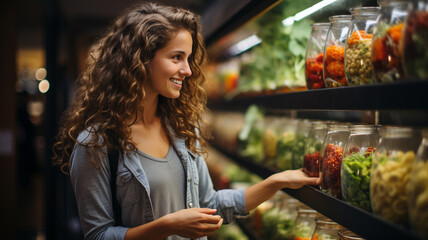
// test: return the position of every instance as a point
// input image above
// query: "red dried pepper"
(330, 170)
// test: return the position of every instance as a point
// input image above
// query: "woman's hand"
(294, 179)
(195, 222)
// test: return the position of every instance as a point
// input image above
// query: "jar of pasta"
(357, 164)
(334, 52)
(313, 146)
(418, 190)
(391, 169)
(303, 128)
(358, 63)
(415, 44)
(326, 229)
(304, 225)
(331, 158)
(345, 234)
(386, 55)
(314, 55)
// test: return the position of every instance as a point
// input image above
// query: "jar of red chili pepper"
(358, 63)
(334, 52)
(313, 146)
(314, 55)
(386, 53)
(415, 44)
(331, 159)
(357, 164)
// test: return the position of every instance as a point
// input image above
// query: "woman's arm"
(265, 189)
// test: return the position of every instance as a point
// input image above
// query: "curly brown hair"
(111, 88)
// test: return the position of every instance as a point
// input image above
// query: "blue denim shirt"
(93, 195)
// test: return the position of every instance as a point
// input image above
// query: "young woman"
(142, 93)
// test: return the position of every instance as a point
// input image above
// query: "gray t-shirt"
(167, 183)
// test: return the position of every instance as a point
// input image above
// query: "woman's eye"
(177, 57)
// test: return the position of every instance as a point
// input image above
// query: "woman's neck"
(150, 109)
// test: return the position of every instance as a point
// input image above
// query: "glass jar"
(386, 55)
(345, 234)
(278, 221)
(312, 149)
(415, 45)
(418, 190)
(270, 139)
(331, 159)
(356, 165)
(326, 229)
(358, 62)
(392, 164)
(304, 225)
(314, 55)
(284, 148)
(303, 128)
(334, 52)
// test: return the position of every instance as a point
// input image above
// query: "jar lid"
(364, 11)
(337, 18)
(325, 222)
(345, 234)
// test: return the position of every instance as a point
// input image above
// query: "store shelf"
(391, 96)
(359, 221)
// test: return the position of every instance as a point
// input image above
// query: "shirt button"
(189, 179)
(190, 205)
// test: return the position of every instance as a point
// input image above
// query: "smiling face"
(170, 66)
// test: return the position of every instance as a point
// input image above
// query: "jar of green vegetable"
(312, 148)
(356, 165)
(391, 169)
(326, 229)
(358, 63)
(304, 225)
(284, 149)
(331, 158)
(418, 189)
(303, 128)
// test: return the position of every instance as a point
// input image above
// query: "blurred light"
(244, 45)
(308, 11)
(41, 74)
(44, 86)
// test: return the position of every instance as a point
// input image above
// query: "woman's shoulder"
(89, 136)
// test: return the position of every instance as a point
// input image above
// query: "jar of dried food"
(418, 190)
(334, 52)
(415, 44)
(285, 144)
(331, 158)
(304, 225)
(391, 169)
(314, 55)
(358, 63)
(313, 146)
(326, 229)
(386, 55)
(357, 164)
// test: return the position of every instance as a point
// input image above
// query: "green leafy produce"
(298, 150)
(284, 151)
(250, 138)
(280, 59)
(277, 224)
(356, 169)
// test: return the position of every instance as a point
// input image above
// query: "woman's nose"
(185, 70)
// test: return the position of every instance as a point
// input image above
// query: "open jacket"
(92, 189)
